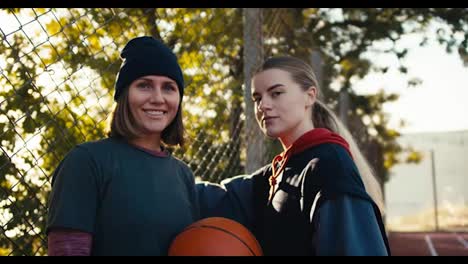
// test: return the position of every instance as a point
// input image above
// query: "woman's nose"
(263, 105)
(157, 96)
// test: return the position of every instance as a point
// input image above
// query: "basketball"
(215, 236)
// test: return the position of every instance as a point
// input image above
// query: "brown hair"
(123, 124)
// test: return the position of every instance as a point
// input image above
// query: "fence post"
(344, 106)
(317, 65)
(253, 57)
(434, 191)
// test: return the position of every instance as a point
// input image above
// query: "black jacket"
(327, 213)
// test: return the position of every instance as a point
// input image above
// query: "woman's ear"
(311, 95)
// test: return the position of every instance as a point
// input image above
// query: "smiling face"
(153, 101)
(282, 106)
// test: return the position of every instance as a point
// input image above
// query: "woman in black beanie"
(126, 194)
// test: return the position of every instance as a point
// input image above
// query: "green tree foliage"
(343, 36)
(60, 67)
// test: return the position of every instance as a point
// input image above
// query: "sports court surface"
(429, 243)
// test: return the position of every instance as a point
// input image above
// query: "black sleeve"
(210, 198)
(232, 198)
(347, 226)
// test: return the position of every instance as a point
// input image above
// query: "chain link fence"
(57, 73)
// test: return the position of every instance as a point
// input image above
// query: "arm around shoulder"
(232, 198)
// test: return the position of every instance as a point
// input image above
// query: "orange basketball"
(215, 236)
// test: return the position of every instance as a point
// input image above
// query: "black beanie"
(147, 56)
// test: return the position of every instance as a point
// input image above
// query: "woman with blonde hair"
(317, 197)
(323, 198)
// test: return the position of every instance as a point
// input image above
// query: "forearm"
(67, 242)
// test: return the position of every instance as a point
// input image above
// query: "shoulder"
(180, 164)
(332, 158)
(92, 150)
(83, 151)
(182, 169)
(335, 172)
(100, 145)
(330, 152)
(80, 163)
(263, 171)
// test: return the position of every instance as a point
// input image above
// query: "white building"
(409, 193)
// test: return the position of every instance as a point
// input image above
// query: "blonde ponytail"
(325, 118)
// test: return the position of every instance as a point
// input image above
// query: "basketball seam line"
(224, 230)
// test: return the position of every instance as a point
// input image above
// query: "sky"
(439, 104)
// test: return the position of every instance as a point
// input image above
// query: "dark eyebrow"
(274, 86)
(270, 88)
